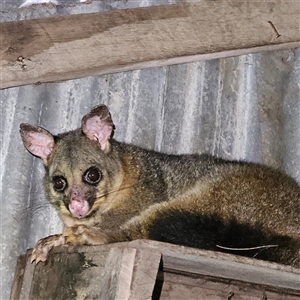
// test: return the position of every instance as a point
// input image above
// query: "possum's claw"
(43, 246)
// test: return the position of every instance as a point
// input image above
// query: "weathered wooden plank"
(67, 274)
(129, 270)
(58, 278)
(167, 249)
(145, 272)
(222, 265)
(117, 278)
(233, 271)
(27, 278)
(129, 274)
(170, 249)
(212, 289)
(75, 46)
(18, 278)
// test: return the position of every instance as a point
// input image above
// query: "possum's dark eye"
(92, 175)
(59, 183)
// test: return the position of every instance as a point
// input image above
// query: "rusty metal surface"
(246, 107)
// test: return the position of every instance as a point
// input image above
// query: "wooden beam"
(18, 277)
(22, 282)
(145, 272)
(75, 46)
(144, 269)
(129, 274)
(222, 265)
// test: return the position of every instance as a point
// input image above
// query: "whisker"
(115, 191)
(246, 249)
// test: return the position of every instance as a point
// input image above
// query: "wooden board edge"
(151, 64)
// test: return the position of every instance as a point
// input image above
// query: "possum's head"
(81, 170)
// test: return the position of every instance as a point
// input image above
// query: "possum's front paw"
(43, 246)
(83, 235)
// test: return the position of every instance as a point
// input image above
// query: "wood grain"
(62, 48)
(129, 274)
(211, 289)
(145, 269)
(18, 277)
(24, 274)
(144, 274)
(116, 280)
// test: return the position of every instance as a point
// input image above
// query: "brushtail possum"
(106, 191)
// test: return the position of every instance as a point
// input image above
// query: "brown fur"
(194, 200)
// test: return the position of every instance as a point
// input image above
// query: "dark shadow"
(209, 231)
(158, 283)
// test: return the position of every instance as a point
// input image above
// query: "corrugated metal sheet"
(245, 107)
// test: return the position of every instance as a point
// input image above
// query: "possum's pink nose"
(79, 208)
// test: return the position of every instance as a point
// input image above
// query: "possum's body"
(106, 191)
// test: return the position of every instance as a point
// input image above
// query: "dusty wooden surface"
(151, 270)
(19, 276)
(187, 287)
(129, 274)
(146, 268)
(75, 46)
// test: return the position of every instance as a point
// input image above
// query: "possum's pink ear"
(98, 126)
(37, 140)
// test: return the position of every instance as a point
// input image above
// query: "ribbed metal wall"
(246, 107)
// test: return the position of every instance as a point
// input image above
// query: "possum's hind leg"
(172, 223)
